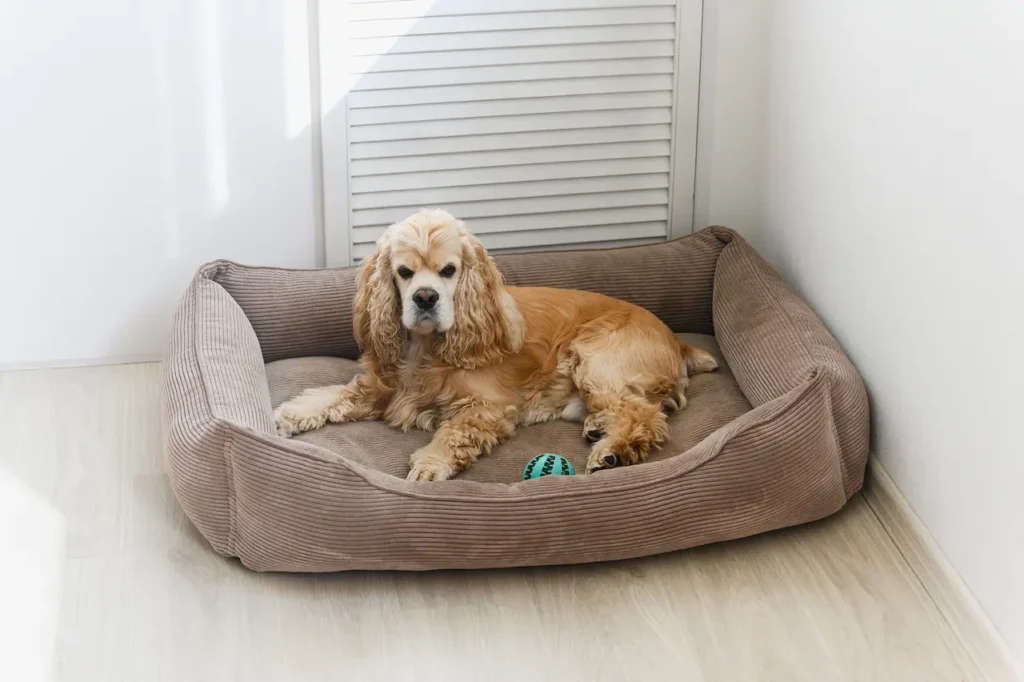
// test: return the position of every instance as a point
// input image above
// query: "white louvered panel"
(571, 237)
(509, 124)
(543, 123)
(600, 35)
(545, 221)
(362, 10)
(532, 140)
(444, 196)
(387, 80)
(507, 56)
(512, 21)
(509, 157)
(508, 207)
(509, 107)
(491, 92)
(490, 176)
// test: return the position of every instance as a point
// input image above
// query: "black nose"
(425, 298)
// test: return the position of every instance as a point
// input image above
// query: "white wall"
(892, 159)
(731, 127)
(137, 141)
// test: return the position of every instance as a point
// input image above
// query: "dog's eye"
(447, 271)
(404, 272)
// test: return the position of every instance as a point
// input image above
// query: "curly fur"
(484, 332)
(510, 356)
(376, 317)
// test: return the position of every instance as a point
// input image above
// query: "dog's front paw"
(429, 469)
(290, 421)
(285, 424)
(426, 464)
(310, 410)
(593, 427)
(609, 453)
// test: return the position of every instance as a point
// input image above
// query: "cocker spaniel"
(448, 347)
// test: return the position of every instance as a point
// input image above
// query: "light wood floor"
(102, 578)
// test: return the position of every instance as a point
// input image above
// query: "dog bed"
(777, 437)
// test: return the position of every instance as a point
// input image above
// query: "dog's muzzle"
(425, 299)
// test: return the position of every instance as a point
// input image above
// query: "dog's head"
(428, 276)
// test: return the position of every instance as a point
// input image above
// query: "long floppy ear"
(376, 311)
(488, 326)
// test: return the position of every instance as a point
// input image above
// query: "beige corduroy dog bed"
(778, 437)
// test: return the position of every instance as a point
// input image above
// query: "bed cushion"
(714, 400)
(778, 437)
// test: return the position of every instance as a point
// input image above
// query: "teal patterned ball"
(547, 464)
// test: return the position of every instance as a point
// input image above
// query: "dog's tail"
(696, 360)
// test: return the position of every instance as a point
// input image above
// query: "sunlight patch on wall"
(296, 67)
(213, 102)
(339, 25)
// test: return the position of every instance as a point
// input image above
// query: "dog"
(448, 347)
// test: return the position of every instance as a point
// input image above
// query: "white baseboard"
(82, 362)
(954, 600)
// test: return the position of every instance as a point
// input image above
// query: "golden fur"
(511, 356)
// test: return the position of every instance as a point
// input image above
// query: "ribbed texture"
(196, 446)
(770, 358)
(299, 313)
(294, 313)
(542, 122)
(296, 506)
(674, 280)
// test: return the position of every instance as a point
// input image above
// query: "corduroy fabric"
(302, 313)
(779, 437)
(775, 341)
